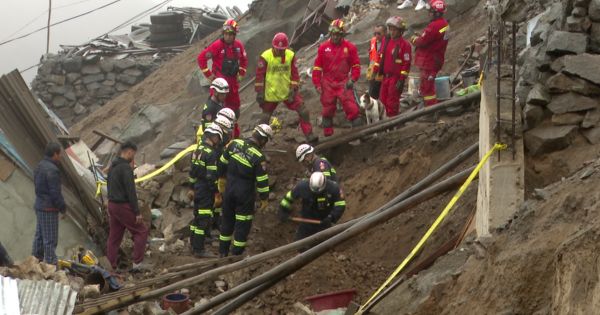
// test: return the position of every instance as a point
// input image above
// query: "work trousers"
(295, 105)
(390, 96)
(46, 236)
(332, 92)
(237, 216)
(204, 201)
(121, 217)
(427, 87)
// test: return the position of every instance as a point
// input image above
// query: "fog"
(19, 17)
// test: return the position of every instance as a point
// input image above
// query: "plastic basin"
(330, 301)
(177, 302)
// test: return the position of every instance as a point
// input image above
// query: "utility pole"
(48, 32)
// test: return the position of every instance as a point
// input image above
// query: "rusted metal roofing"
(42, 297)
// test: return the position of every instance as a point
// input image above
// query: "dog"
(372, 108)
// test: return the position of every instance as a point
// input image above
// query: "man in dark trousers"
(48, 203)
(123, 209)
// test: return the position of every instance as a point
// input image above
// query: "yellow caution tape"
(436, 223)
(148, 176)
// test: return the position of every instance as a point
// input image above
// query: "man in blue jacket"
(48, 203)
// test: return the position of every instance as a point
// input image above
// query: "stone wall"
(559, 84)
(75, 86)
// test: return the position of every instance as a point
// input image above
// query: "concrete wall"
(501, 181)
(17, 219)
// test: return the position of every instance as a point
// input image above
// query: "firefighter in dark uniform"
(305, 153)
(322, 200)
(244, 166)
(203, 176)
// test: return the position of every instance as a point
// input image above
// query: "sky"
(19, 17)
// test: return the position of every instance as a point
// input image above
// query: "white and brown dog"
(372, 108)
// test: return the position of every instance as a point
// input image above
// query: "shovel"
(304, 220)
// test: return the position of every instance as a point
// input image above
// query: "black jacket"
(209, 112)
(242, 161)
(46, 178)
(121, 184)
(318, 206)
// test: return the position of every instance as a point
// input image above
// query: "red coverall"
(261, 72)
(396, 65)
(429, 56)
(218, 51)
(330, 74)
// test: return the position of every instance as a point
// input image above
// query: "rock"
(91, 59)
(92, 78)
(56, 79)
(72, 77)
(571, 102)
(594, 10)
(73, 64)
(587, 173)
(595, 37)
(582, 3)
(70, 95)
(57, 90)
(133, 72)
(59, 101)
(539, 33)
(591, 119)
(165, 194)
(91, 291)
(127, 79)
(561, 83)
(120, 87)
(533, 115)
(176, 221)
(91, 69)
(592, 135)
(139, 130)
(579, 11)
(560, 43)
(111, 76)
(575, 24)
(579, 65)
(542, 140)
(105, 91)
(156, 115)
(107, 66)
(538, 95)
(174, 148)
(93, 86)
(79, 109)
(567, 119)
(109, 82)
(123, 64)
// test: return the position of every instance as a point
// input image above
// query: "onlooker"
(378, 34)
(123, 209)
(48, 203)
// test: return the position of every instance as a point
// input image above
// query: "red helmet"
(280, 41)
(337, 26)
(438, 6)
(230, 26)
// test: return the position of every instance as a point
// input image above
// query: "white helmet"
(215, 130)
(303, 150)
(264, 130)
(227, 113)
(317, 182)
(219, 85)
(223, 122)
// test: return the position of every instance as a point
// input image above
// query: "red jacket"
(431, 45)
(261, 72)
(334, 62)
(396, 58)
(219, 51)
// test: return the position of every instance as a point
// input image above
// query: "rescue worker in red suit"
(336, 58)
(277, 81)
(378, 34)
(394, 57)
(229, 61)
(430, 50)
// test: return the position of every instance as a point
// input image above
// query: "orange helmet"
(438, 6)
(230, 26)
(337, 26)
(280, 41)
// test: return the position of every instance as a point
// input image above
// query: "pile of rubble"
(559, 86)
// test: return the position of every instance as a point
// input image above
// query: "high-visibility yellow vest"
(278, 77)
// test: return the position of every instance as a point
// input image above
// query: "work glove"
(400, 86)
(283, 215)
(263, 204)
(260, 97)
(190, 195)
(221, 183)
(218, 200)
(349, 84)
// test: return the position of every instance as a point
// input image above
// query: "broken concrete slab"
(567, 119)
(594, 10)
(562, 83)
(561, 42)
(548, 139)
(591, 119)
(176, 220)
(579, 65)
(571, 102)
(165, 194)
(139, 129)
(538, 95)
(592, 135)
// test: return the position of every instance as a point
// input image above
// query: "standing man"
(203, 176)
(277, 81)
(378, 34)
(430, 51)
(305, 154)
(322, 200)
(48, 203)
(123, 209)
(229, 61)
(336, 59)
(395, 56)
(246, 169)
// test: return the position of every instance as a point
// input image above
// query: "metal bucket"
(442, 88)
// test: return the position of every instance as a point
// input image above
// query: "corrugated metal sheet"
(35, 297)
